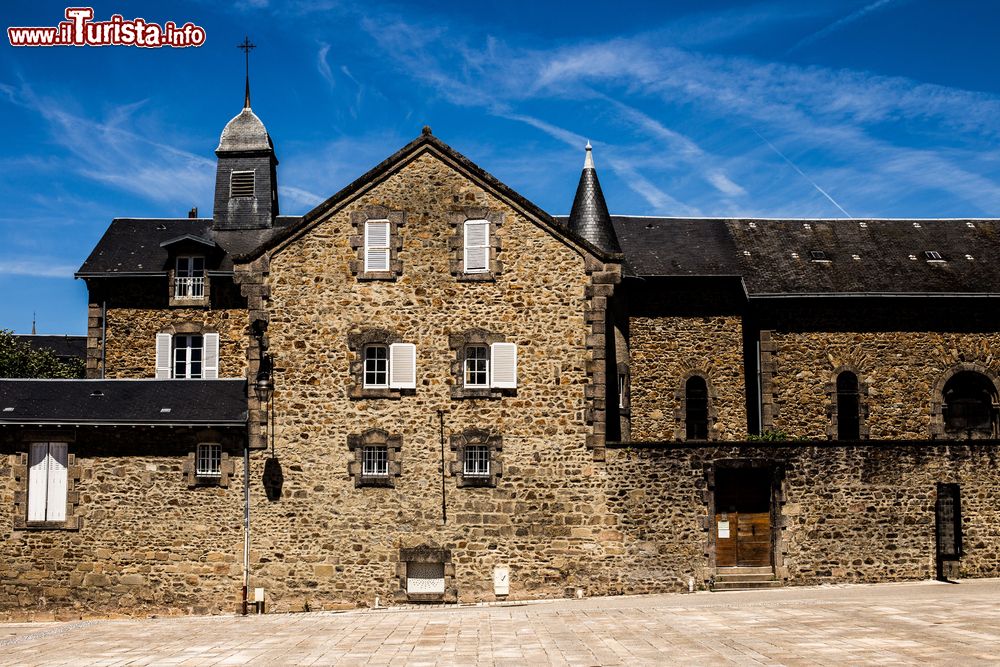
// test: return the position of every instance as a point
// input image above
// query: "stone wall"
(847, 513)
(146, 542)
(666, 350)
(327, 542)
(901, 369)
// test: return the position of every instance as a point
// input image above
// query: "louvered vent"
(241, 184)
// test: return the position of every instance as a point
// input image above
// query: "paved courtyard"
(926, 622)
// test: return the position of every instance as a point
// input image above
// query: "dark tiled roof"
(179, 402)
(774, 256)
(890, 256)
(61, 346)
(134, 245)
(589, 216)
(676, 247)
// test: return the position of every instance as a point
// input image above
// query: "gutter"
(39, 422)
(877, 295)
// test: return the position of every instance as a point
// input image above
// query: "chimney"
(193, 213)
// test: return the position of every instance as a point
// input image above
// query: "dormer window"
(242, 184)
(189, 278)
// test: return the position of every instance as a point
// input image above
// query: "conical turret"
(589, 217)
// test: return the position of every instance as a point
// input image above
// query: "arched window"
(848, 407)
(968, 409)
(696, 408)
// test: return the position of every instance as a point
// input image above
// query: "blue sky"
(786, 108)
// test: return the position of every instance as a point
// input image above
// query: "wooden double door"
(743, 534)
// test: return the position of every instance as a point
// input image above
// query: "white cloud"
(842, 23)
(323, 66)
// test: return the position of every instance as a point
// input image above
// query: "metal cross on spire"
(246, 47)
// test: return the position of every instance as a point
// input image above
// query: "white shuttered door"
(163, 356)
(503, 366)
(38, 480)
(47, 481)
(55, 506)
(376, 245)
(403, 366)
(477, 246)
(211, 367)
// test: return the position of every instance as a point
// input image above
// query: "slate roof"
(174, 402)
(134, 246)
(61, 346)
(890, 256)
(773, 257)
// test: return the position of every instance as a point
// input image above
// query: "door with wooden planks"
(743, 517)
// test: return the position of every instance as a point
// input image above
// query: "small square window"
(375, 461)
(476, 461)
(376, 366)
(209, 460)
(477, 369)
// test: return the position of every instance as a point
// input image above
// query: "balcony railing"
(189, 287)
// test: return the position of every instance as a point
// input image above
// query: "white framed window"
(375, 461)
(188, 353)
(377, 245)
(476, 258)
(476, 461)
(187, 356)
(242, 184)
(377, 366)
(209, 460)
(189, 278)
(48, 480)
(477, 366)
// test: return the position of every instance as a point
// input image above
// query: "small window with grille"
(375, 461)
(241, 184)
(477, 366)
(476, 461)
(209, 460)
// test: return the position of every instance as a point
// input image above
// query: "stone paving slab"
(890, 624)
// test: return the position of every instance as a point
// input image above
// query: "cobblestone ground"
(926, 622)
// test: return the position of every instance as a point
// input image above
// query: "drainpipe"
(104, 336)
(444, 508)
(246, 522)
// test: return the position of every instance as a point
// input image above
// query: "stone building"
(429, 389)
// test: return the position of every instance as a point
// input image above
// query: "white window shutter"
(477, 246)
(503, 365)
(163, 341)
(210, 369)
(402, 366)
(38, 480)
(56, 502)
(376, 246)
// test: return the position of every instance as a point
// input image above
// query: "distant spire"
(246, 47)
(590, 218)
(33, 332)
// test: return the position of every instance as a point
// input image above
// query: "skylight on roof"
(969, 257)
(970, 224)
(863, 225)
(806, 225)
(933, 256)
(916, 225)
(8, 409)
(818, 256)
(855, 256)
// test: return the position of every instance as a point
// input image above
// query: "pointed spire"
(590, 218)
(33, 332)
(246, 47)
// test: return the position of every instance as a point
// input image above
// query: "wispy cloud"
(35, 268)
(842, 23)
(323, 66)
(110, 152)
